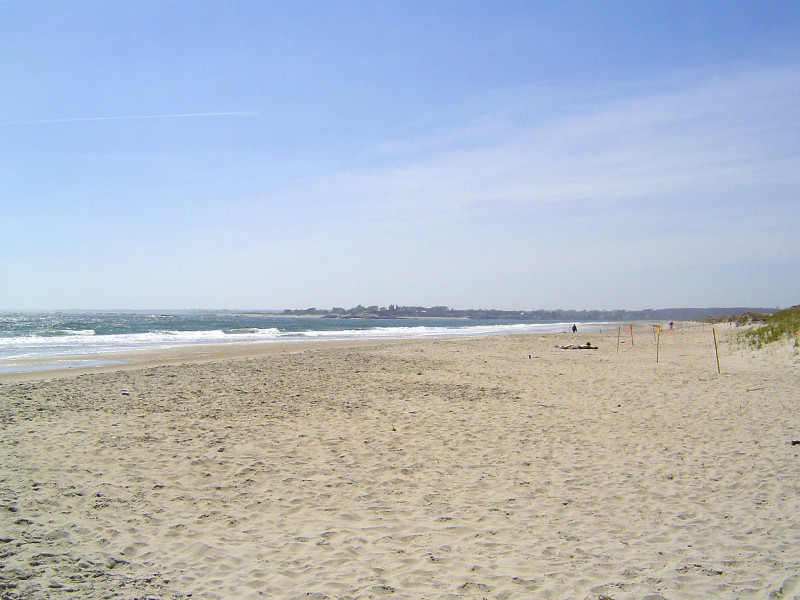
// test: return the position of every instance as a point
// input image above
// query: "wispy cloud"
(701, 138)
(129, 118)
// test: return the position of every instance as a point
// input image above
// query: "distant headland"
(444, 312)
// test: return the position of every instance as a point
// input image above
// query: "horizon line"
(281, 310)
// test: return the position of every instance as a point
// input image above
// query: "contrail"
(130, 118)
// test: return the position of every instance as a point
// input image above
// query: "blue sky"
(517, 155)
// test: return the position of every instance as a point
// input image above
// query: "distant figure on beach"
(586, 346)
(671, 325)
(574, 329)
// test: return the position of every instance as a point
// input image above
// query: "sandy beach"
(498, 467)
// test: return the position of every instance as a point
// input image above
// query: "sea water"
(60, 334)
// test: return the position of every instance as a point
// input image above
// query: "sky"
(474, 154)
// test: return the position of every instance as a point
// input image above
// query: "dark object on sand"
(795, 442)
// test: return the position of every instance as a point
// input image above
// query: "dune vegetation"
(782, 325)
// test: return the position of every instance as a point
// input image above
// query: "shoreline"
(127, 360)
(43, 367)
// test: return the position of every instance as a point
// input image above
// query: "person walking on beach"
(574, 329)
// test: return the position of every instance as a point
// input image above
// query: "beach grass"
(782, 325)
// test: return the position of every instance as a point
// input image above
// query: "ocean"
(50, 335)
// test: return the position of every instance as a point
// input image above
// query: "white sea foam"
(86, 342)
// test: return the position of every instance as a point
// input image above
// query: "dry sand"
(497, 467)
